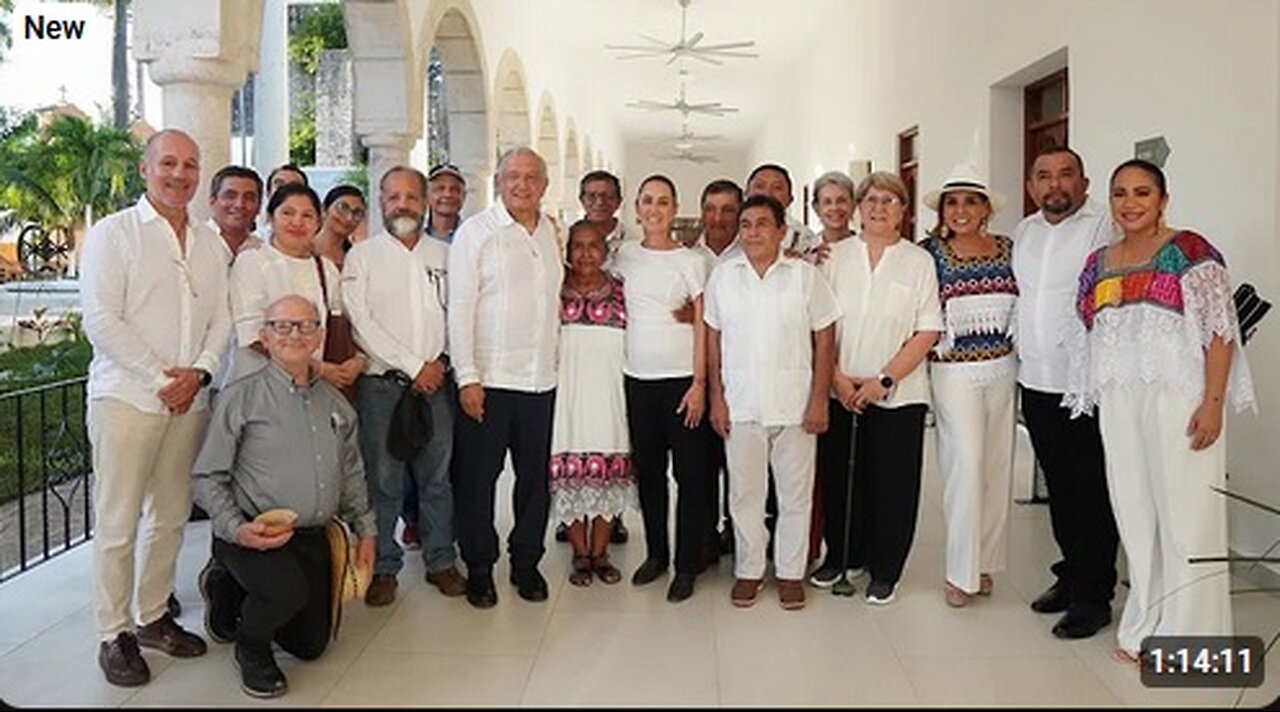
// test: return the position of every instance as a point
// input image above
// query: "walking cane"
(844, 587)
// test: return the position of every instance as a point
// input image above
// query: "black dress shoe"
(648, 572)
(481, 593)
(619, 535)
(529, 584)
(175, 608)
(681, 588)
(170, 638)
(1055, 599)
(121, 661)
(259, 674)
(1082, 622)
(222, 597)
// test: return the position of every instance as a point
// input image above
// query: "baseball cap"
(445, 169)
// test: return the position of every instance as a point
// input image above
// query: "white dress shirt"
(251, 242)
(504, 302)
(766, 327)
(1047, 260)
(260, 277)
(882, 309)
(733, 249)
(395, 298)
(149, 305)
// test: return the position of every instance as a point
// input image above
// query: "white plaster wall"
(690, 178)
(1206, 75)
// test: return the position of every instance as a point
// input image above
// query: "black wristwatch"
(206, 378)
(885, 380)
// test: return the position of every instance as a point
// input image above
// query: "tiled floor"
(608, 646)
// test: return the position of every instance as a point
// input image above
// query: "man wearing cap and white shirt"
(1049, 250)
(393, 287)
(505, 271)
(153, 290)
(774, 181)
(446, 192)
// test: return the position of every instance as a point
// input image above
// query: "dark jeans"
(655, 429)
(1069, 451)
(888, 452)
(287, 593)
(513, 420)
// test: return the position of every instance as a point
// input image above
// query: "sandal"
(607, 572)
(1125, 656)
(956, 596)
(986, 585)
(581, 575)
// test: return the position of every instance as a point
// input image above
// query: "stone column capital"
(387, 140)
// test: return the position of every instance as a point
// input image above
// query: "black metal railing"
(45, 474)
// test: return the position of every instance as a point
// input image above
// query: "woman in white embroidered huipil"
(286, 266)
(972, 373)
(1157, 349)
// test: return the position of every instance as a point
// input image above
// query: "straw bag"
(348, 580)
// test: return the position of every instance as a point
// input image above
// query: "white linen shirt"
(710, 257)
(504, 302)
(395, 298)
(260, 277)
(252, 242)
(1047, 260)
(882, 309)
(149, 306)
(766, 327)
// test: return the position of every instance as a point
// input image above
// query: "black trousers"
(520, 422)
(657, 429)
(887, 456)
(287, 593)
(1070, 453)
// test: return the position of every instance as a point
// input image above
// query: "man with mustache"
(153, 290)
(393, 287)
(1049, 249)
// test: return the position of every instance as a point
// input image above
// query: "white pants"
(749, 450)
(1166, 513)
(141, 469)
(975, 457)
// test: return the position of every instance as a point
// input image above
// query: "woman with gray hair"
(833, 202)
(888, 295)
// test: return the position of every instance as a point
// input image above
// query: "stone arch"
(455, 36)
(548, 147)
(572, 170)
(511, 102)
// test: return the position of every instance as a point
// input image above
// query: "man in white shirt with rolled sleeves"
(505, 272)
(153, 289)
(393, 287)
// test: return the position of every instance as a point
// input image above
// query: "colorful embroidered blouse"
(602, 307)
(1153, 323)
(978, 295)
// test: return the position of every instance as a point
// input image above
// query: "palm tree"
(6, 37)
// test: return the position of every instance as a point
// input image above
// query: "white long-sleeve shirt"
(504, 302)
(395, 298)
(1047, 260)
(149, 305)
(261, 276)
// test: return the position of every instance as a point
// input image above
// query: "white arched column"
(271, 90)
(386, 151)
(199, 53)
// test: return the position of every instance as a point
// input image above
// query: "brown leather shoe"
(449, 581)
(791, 594)
(168, 637)
(745, 592)
(382, 590)
(121, 661)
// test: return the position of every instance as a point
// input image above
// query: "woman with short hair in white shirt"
(287, 266)
(887, 291)
(665, 369)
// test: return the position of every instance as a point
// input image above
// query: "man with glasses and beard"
(393, 289)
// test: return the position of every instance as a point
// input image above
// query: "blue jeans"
(376, 400)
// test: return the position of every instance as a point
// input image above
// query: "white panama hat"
(965, 177)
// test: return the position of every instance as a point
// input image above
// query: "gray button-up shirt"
(275, 444)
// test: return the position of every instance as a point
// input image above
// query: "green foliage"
(302, 131)
(46, 363)
(6, 35)
(320, 28)
(358, 176)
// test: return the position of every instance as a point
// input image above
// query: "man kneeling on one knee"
(280, 438)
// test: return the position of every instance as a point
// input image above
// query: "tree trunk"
(120, 66)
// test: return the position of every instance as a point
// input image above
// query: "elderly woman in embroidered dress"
(972, 374)
(1157, 351)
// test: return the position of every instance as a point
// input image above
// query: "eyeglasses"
(284, 327)
(599, 198)
(886, 201)
(350, 212)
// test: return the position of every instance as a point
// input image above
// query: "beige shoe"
(956, 596)
(985, 585)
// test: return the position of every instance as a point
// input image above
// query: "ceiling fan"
(686, 155)
(685, 47)
(681, 104)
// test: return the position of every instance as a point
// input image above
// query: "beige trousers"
(750, 449)
(142, 471)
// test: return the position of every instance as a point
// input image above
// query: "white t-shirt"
(766, 327)
(882, 309)
(655, 283)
